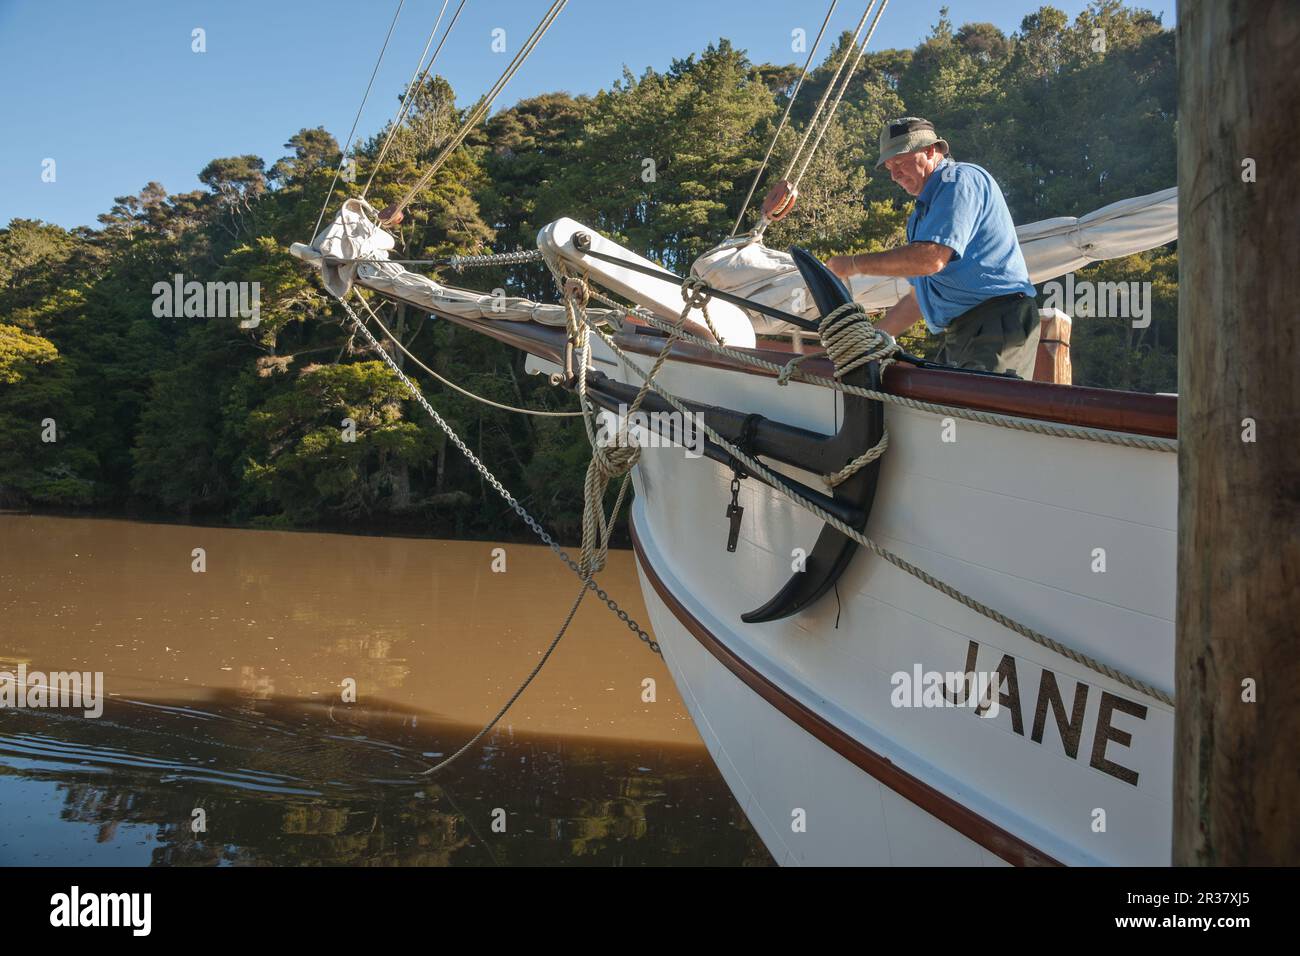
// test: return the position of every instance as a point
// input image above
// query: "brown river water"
(225, 738)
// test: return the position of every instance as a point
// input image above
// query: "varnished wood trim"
(1132, 412)
(962, 819)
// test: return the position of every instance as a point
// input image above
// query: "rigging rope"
(452, 385)
(593, 557)
(485, 104)
(546, 655)
(784, 118)
(343, 155)
(611, 462)
(492, 479)
(830, 115)
(812, 123)
(409, 96)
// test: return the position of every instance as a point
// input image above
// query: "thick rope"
(608, 463)
(1035, 426)
(452, 385)
(546, 655)
(852, 341)
(960, 597)
(696, 296)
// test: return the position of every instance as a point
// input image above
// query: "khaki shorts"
(997, 336)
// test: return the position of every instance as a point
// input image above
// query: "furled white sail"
(1052, 247)
(353, 250)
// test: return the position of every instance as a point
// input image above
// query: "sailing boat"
(960, 652)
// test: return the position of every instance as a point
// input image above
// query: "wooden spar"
(1237, 727)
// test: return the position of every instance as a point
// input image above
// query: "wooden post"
(1052, 364)
(1237, 680)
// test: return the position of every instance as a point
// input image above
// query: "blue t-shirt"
(961, 207)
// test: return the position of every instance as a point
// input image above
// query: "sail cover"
(353, 250)
(745, 267)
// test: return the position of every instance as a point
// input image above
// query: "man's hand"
(842, 266)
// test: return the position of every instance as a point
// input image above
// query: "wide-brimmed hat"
(907, 135)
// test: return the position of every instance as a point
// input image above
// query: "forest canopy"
(106, 405)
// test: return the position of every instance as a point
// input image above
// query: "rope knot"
(695, 293)
(577, 291)
(789, 368)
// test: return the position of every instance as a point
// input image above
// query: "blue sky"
(111, 90)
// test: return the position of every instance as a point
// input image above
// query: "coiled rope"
(616, 460)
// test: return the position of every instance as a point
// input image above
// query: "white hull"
(1008, 517)
(769, 763)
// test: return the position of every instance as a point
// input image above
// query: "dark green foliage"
(202, 418)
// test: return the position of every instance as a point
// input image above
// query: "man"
(968, 276)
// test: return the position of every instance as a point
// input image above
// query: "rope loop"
(577, 291)
(695, 293)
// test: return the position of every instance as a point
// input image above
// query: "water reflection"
(304, 783)
(224, 699)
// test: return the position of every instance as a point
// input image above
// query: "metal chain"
(501, 258)
(500, 489)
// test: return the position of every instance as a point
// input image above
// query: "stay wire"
(417, 81)
(830, 115)
(784, 119)
(485, 104)
(352, 132)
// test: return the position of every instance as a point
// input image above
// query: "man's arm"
(909, 261)
(902, 316)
